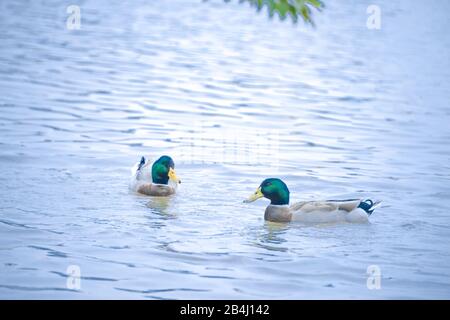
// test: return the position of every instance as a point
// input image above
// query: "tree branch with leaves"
(284, 8)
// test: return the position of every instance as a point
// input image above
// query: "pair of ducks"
(161, 181)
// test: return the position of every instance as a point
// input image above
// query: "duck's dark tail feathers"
(369, 206)
(141, 163)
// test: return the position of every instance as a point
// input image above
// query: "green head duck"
(163, 170)
(273, 189)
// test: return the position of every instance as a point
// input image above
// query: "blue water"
(337, 111)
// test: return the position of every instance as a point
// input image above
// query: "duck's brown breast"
(156, 190)
(278, 214)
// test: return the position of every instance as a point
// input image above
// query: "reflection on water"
(337, 112)
(271, 237)
(160, 205)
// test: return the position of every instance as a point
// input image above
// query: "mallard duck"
(160, 181)
(353, 210)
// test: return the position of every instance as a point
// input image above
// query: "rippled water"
(336, 111)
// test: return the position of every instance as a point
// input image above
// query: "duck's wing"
(140, 174)
(332, 205)
(140, 170)
(346, 205)
(312, 206)
(137, 167)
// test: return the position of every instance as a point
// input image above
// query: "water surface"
(336, 111)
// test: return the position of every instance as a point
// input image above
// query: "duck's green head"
(163, 170)
(273, 189)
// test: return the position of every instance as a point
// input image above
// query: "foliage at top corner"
(284, 8)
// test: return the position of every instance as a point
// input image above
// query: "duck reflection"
(160, 206)
(272, 236)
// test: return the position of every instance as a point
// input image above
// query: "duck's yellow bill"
(257, 195)
(173, 176)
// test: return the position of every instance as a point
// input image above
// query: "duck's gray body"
(321, 211)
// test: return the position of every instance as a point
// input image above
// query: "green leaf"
(293, 8)
(316, 4)
(282, 7)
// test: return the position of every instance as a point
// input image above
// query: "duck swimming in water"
(159, 181)
(353, 210)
